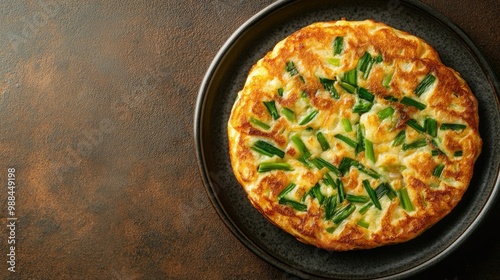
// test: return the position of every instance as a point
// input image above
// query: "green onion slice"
(351, 77)
(340, 190)
(431, 126)
(322, 141)
(357, 198)
(301, 146)
(307, 119)
(346, 140)
(415, 125)
(334, 61)
(270, 166)
(452, 126)
(338, 45)
(280, 91)
(316, 193)
(412, 102)
(385, 113)
(438, 170)
(347, 87)
(343, 213)
(286, 190)
(364, 61)
(269, 149)
(328, 85)
(347, 125)
(391, 98)
(360, 136)
(387, 80)
(362, 106)
(400, 138)
(424, 84)
(289, 114)
(330, 204)
(259, 123)
(271, 108)
(414, 145)
(290, 68)
(370, 153)
(458, 153)
(405, 201)
(363, 223)
(372, 194)
(294, 204)
(365, 94)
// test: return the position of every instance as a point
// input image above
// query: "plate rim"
(444, 21)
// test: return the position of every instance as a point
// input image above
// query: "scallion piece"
(271, 108)
(330, 204)
(414, 124)
(362, 106)
(307, 119)
(289, 114)
(338, 45)
(294, 204)
(340, 190)
(365, 94)
(370, 154)
(346, 163)
(363, 62)
(391, 98)
(385, 189)
(286, 190)
(316, 191)
(368, 69)
(424, 84)
(412, 102)
(400, 138)
(438, 170)
(387, 80)
(329, 166)
(302, 160)
(268, 148)
(328, 85)
(363, 223)
(347, 125)
(357, 198)
(452, 126)
(405, 201)
(259, 123)
(351, 77)
(343, 213)
(270, 166)
(334, 61)
(346, 140)
(372, 194)
(280, 91)
(458, 153)
(365, 207)
(431, 126)
(385, 113)
(415, 144)
(360, 136)
(347, 87)
(322, 141)
(290, 68)
(301, 146)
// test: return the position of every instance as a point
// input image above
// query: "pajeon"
(353, 135)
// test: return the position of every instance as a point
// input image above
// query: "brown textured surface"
(96, 107)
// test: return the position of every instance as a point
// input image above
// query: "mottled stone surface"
(96, 115)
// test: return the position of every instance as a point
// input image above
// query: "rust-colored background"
(96, 115)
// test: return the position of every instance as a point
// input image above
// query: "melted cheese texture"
(395, 120)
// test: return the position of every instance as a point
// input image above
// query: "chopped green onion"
(261, 145)
(452, 126)
(391, 98)
(316, 163)
(262, 151)
(329, 181)
(400, 138)
(431, 126)
(370, 154)
(334, 61)
(360, 131)
(372, 194)
(385, 189)
(330, 229)
(414, 124)
(349, 88)
(290, 68)
(438, 170)
(271, 108)
(294, 204)
(412, 102)
(270, 166)
(436, 152)
(322, 141)
(328, 85)
(280, 91)
(362, 106)
(347, 125)
(346, 140)
(357, 198)
(424, 84)
(289, 114)
(330, 204)
(414, 145)
(363, 223)
(338, 45)
(363, 62)
(340, 190)
(385, 113)
(329, 166)
(301, 146)
(286, 190)
(365, 207)
(302, 160)
(405, 201)
(303, 94)
(387, 80)
(368, 69)
(365, 94)
(302, 79)
(346, 163)
(309, 129)
(343, 213)
(458, 153)
(259, 123)
(316, 192)
(351, 77)
(309, 117)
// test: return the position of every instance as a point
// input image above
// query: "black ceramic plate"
(226, 77)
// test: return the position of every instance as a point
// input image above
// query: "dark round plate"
(226, 77)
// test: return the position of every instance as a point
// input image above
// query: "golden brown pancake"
(353, 135)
